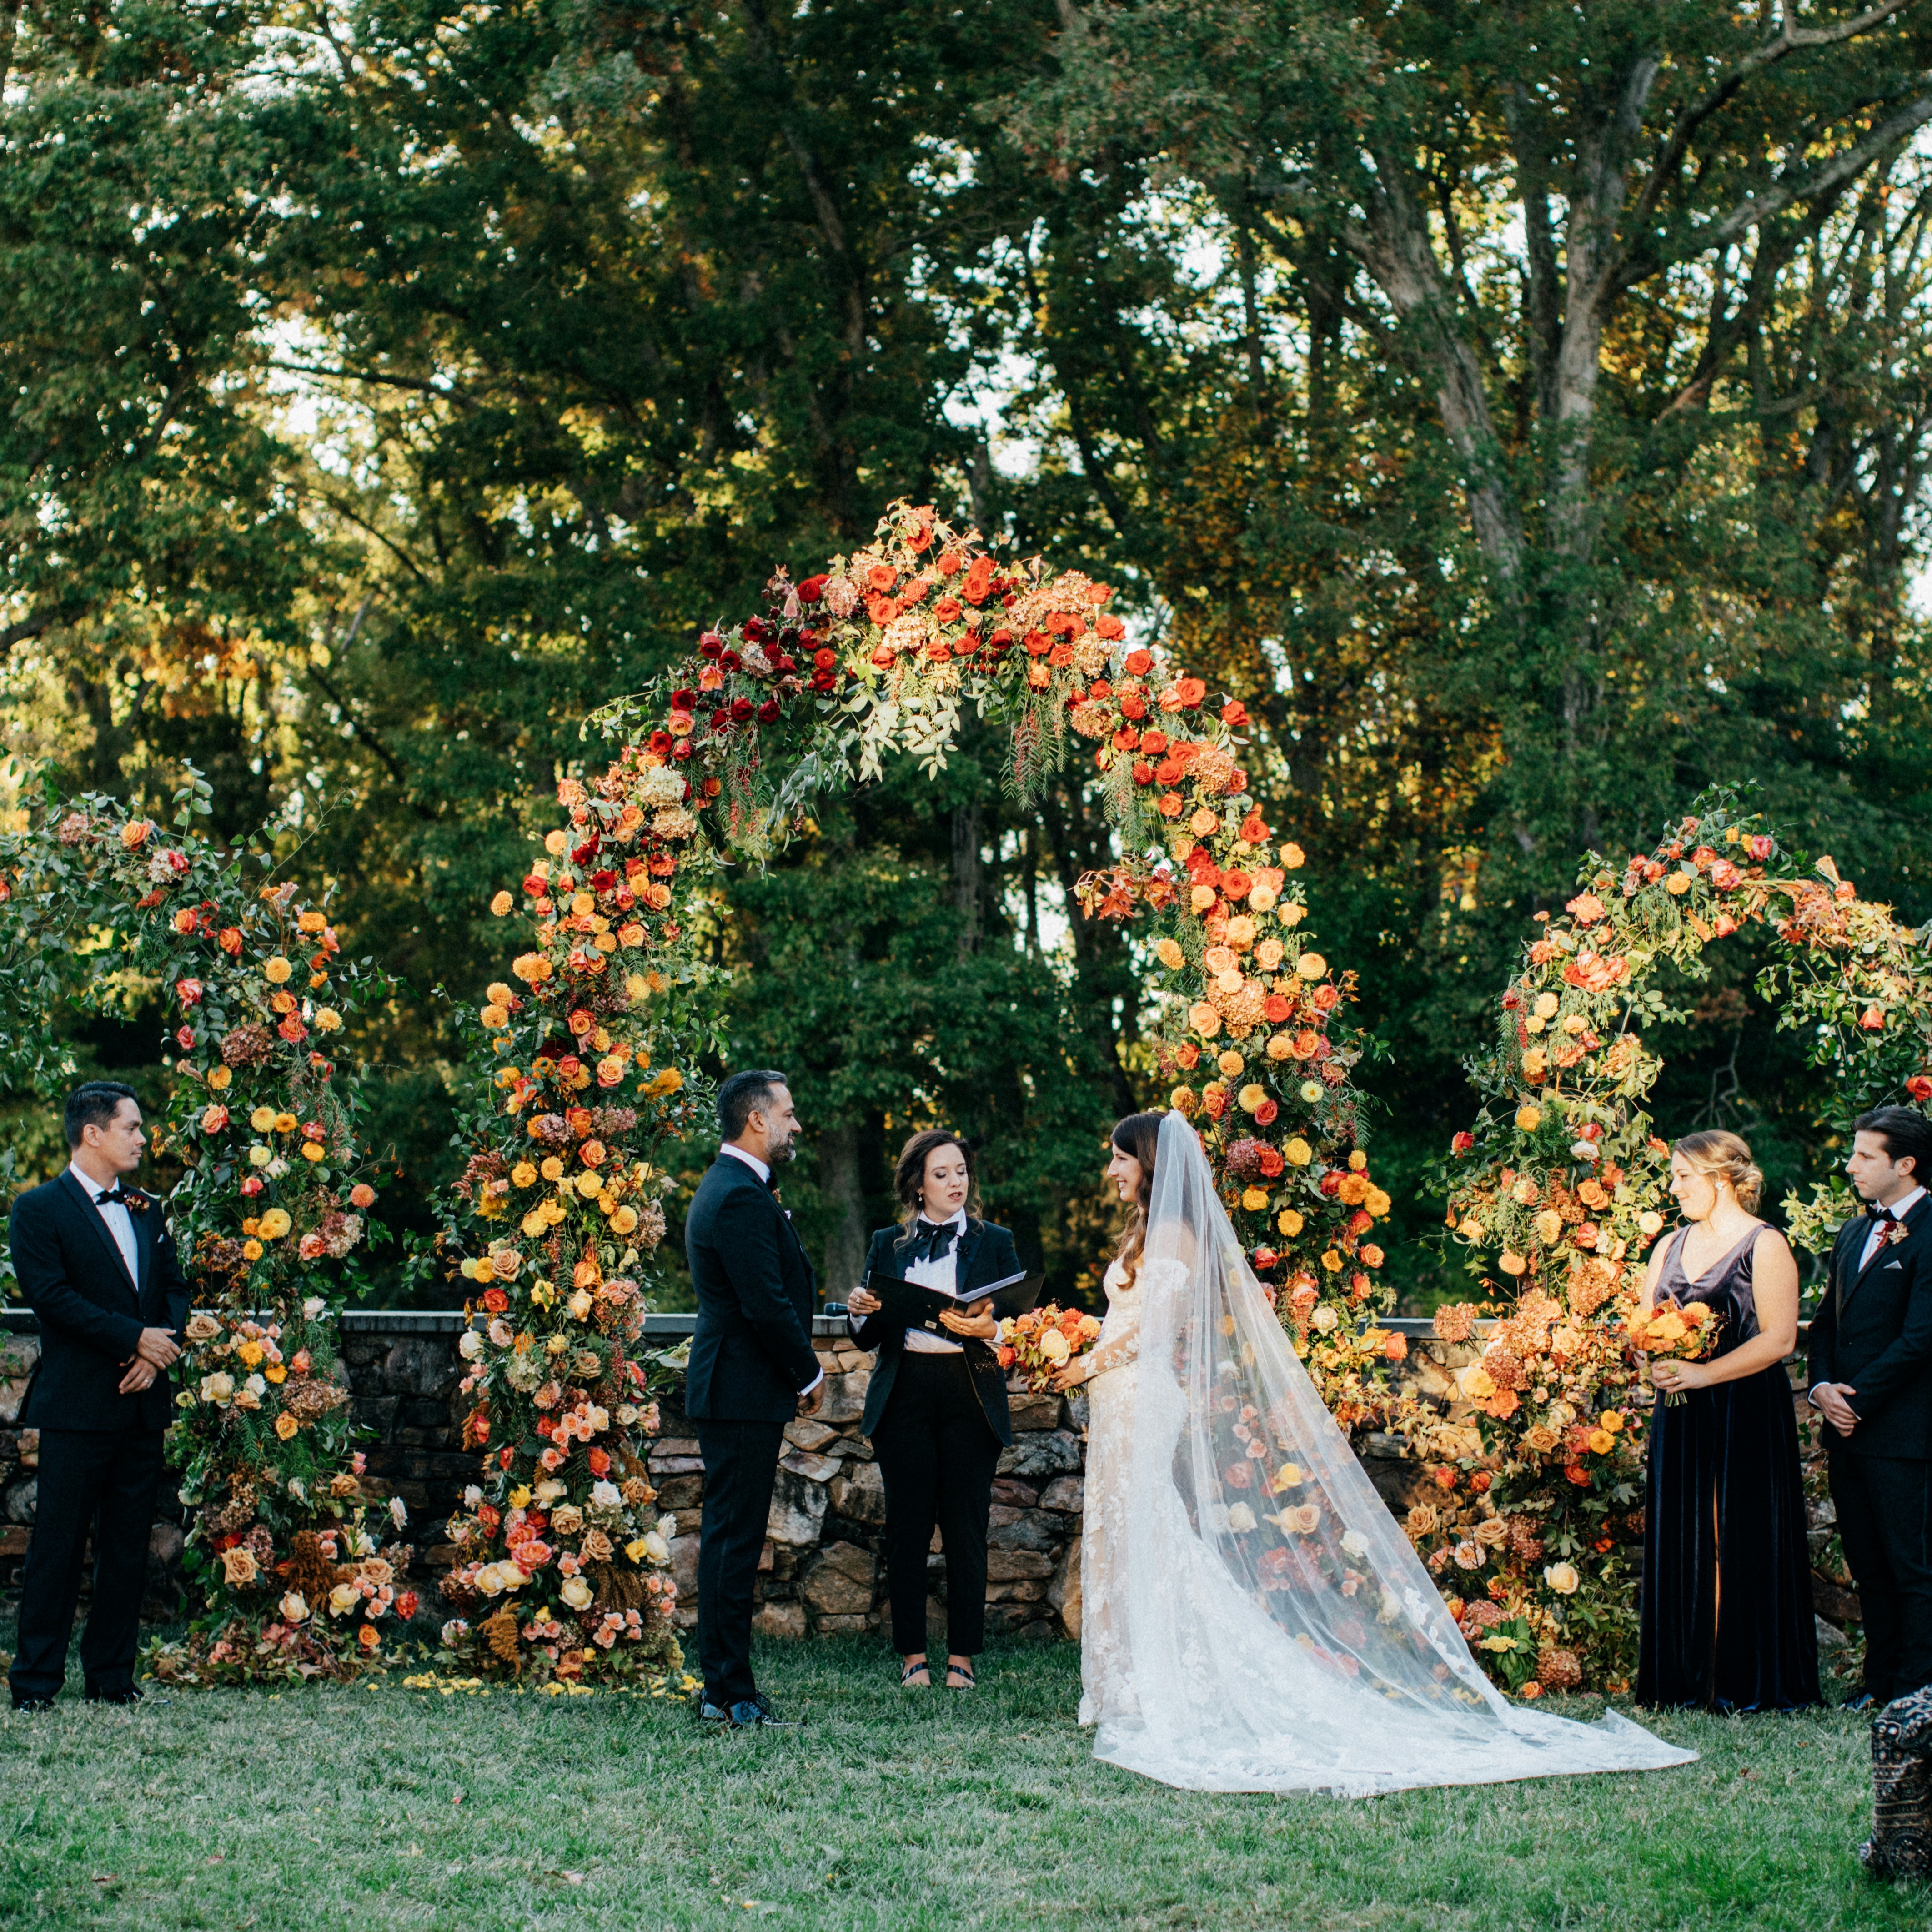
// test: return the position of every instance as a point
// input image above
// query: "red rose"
(812, 589)
(1264, 1258)
(407, 1604)
(1275, 1009)
(1920, 1088)
(600, 1463)
(1462, 1143)
(1133, 705)
(1234, 715)
(1267, 1114)
(1139, 663)
(184, 1039)
(768, 711)
(1480, 1481)
(496, 1300)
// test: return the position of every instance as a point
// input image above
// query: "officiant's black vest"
(986, 1254)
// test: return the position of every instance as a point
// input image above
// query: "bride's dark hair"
(1138, 1138)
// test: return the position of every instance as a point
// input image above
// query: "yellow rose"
(501, 903)
(286, 1426)
(636, 1549)
(576, 1592)
(1562, 1578)
(1649, 1222)
(523, 1174)
(1254, 1199)
(1297, 1153)
(520, 1497)
(275, 1223)
(1288, 1222)
(1169, 952)
(590, 1184)
(1289, 1476)
(1311, 966)
(1528, 1119)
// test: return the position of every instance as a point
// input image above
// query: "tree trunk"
(844, 1194)
(966, 875)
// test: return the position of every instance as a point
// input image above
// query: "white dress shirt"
(942, 1274)
(764, 1174)
(119, 1222)
(1880, 1229)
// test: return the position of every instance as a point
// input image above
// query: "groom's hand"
(1830, 1399)
(811, 1403)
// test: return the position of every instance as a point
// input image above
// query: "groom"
(751, 1371)
(1871, 1377)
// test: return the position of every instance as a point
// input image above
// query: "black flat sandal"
(960, 1671)
(912, 1670)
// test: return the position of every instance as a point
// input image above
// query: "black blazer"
(752, 1353)
(986, 1253)
(1873, 1330)
(72, 1276)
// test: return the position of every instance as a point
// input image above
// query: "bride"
(1254, 1620)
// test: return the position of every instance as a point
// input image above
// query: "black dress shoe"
(756, 1711)
(132, 1694)
(1864, 1701)
(33, 1704)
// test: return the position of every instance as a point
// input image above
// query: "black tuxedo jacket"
(751, 1355)
(72, 1276)
(986, 1253)
(1873, 1330)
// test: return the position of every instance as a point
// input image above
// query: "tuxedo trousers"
(741, 1462)
(937, 1454)
(1885, 1521)
(102, 1484)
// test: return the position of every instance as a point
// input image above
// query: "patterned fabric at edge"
(1900, 1845)
(1726, 1617)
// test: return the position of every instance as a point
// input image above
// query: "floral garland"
(1537, 1447)
(291, 1579)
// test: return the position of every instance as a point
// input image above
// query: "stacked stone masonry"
(823, 1569)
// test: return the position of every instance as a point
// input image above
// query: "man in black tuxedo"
(751, 1371)
(96, 1263)
(1871, 1376)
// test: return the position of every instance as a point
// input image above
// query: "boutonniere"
(1895, 1232)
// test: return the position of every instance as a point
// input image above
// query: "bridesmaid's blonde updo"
(1725, 1157)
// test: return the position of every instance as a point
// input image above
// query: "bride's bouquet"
(1044, 1340)
(1685, 1334)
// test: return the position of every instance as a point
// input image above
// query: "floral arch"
(585, 1051)
(1560, 1185)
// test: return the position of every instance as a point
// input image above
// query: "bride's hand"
(1068, 1375)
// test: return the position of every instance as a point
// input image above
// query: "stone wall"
(823, 1569)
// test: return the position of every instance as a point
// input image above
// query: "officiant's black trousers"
(104, 1485)
(741, 1462)
(1884, 1520)
(937, 1454)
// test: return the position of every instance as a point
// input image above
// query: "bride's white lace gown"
(1253, 1619)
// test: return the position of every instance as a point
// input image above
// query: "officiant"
(936, 1411)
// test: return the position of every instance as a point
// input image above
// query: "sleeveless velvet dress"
(1726, 1616)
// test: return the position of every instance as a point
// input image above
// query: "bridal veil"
(1281, 1632)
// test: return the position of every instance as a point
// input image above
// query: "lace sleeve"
(1116, 1354)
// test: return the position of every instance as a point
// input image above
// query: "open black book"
(918, 1307)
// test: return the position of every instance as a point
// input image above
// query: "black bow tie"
(930, 1243)
(1878, 1213)
(114, 1195)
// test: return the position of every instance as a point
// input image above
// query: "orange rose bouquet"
(1685, 1334)
(1044, 1340)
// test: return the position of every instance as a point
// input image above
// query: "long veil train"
(1281, 1632)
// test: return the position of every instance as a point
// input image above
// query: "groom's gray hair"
(741, 1095)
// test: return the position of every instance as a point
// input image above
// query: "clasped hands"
(1830, 1399)
(158, 1349)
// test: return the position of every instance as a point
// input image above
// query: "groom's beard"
(779, 1152)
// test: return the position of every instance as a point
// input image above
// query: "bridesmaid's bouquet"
(1044, 1340)
(1685, 1334)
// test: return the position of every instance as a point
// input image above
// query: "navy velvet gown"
(1726, 1617)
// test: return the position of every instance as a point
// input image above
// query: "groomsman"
(751, 1371)
(1871, 1377)
(96, 1263)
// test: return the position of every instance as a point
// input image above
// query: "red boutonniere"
(1895, 1232)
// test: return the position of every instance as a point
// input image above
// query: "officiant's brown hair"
(909, 1172)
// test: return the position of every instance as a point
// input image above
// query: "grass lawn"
(384, 1807)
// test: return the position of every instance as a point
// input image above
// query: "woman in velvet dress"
(1726, 1615)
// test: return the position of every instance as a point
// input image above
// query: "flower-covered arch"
(1560, 1185)
(591, 1036)
(273, 1210)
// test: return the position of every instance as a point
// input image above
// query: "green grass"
(384, 1806)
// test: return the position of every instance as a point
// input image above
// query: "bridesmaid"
(936, 1409)
(1726, 1617)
